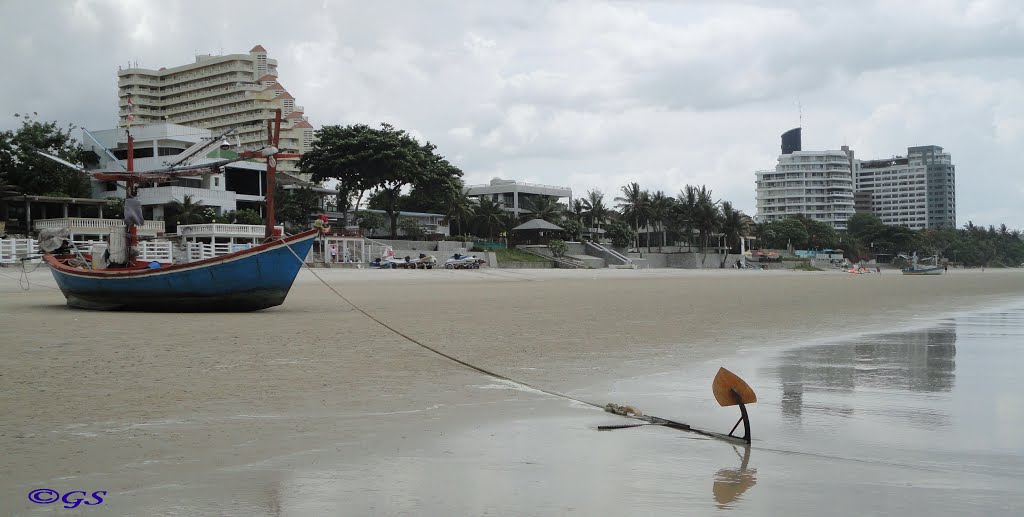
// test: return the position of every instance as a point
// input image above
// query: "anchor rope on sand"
(626, 411)
(446, 355)
(23, 278)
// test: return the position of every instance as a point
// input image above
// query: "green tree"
(412, 228)
(685, 214)
(243, 216)
(594, 208)
(293, 207)
(558, 247)
(621, 234)
(546, 208)
(189, 211)
(660, 211)
(370, 222)
(342, 153)
(576, 210)
(735, 224)
(819, 235)
(436, 195)
(460, 209)
(788, 232)
(114, 209)
(30, 173)
(866, 227)
(573, 229)
(634, 204)
(707, 218)
(386, 159)
(508, 221)
(489, 215)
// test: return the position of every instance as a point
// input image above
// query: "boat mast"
(130, 191)
(273, 141)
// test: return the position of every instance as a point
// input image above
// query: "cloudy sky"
(588, 95)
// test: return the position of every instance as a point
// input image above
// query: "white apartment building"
(515, 196)
(917, 190)
(817, 184)
(217, 93)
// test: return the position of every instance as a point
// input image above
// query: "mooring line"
(24, 282)
(436, 351)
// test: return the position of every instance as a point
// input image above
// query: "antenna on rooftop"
(800, 111)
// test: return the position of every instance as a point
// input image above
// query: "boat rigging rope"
(23, 280)
(443, 354)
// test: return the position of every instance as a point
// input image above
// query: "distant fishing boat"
(247, 280)
(918, 269)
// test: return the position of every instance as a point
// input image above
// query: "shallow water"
(923, 422)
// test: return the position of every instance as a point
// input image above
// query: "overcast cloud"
(584, 94)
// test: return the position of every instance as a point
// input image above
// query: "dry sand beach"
(311, 408)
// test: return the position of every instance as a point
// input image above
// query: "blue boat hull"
(248, 280)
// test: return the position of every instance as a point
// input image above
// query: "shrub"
(621, 234)
(558, 247)
(412, 229)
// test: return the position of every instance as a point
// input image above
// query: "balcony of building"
(231, 89)
(223, 199)
(88, 226)
(198, 232)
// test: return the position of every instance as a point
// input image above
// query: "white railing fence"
(223, 230)
(201, 251)
(91, 223)
(156, 251)
(13, 250)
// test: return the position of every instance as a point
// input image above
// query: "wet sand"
(312, 408)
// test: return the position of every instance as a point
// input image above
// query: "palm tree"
(685, 211)
(634, 204)
(489, 214)
(544, 207)
(734, 225)
(507, 221)
(706, 218)
(576, 210)
(188, 211)
(595, 209)
(460, 208)
(660, 210)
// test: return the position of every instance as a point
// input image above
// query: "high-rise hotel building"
(917, 190)
(816, 184)
(217, 93)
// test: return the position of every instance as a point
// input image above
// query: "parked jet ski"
(460, 261)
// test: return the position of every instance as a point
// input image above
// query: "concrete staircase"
(613, 258)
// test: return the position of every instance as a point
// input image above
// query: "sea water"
(928, 421)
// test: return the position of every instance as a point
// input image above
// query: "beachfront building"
(816, 184)
(239, 185)
(917, 190)
(516, 196)
(217, 93)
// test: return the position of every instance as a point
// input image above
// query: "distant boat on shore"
(918, 269)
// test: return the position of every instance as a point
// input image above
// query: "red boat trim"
(63, 268)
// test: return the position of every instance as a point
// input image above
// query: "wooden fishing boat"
(247, 280)
(916, 268)
(923, 270)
